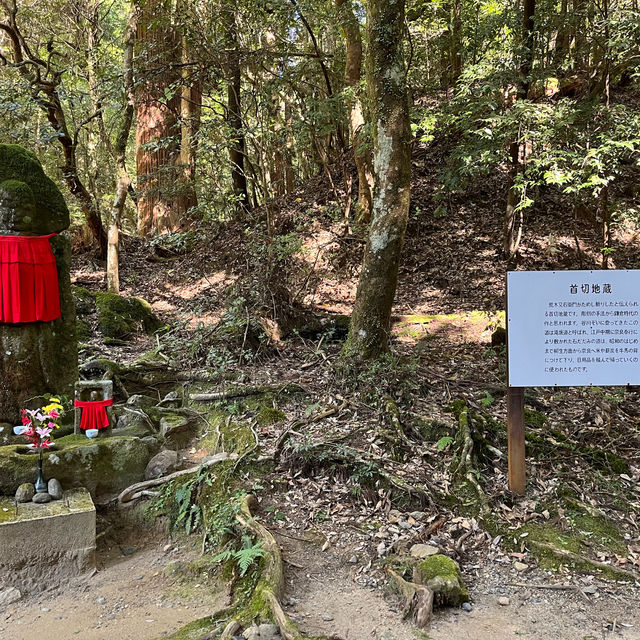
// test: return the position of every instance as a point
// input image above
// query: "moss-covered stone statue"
(35, 357)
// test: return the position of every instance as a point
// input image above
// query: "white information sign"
(573, 328)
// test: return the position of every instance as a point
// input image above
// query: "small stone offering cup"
(19, 430)
(91, 433)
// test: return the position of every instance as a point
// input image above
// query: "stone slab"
(43, 545)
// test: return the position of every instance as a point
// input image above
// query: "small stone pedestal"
(43, 545)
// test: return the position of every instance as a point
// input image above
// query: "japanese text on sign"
(573, 328)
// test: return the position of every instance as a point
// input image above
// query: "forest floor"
(335, 526)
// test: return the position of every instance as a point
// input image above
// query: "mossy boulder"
(137, 425)
(119, 317)
(178, 430)
(83, 330)
(36, 357)
(104, 466)
(85, 300)
(442, 574)
(138, 417)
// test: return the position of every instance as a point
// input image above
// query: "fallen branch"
(130, 492)
(140, 413)
(552, 587)
(287, 433)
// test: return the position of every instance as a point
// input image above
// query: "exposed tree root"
(462, 470)
(136, 490)
(245, 391)
(394, 434)
(270, 588)
(418, 600)
(569, 556)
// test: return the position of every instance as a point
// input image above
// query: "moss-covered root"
(393, 433)
(137, 490)
(270, 587)
(584, 563)
(418, 599)
(462, 468)
(442, 575)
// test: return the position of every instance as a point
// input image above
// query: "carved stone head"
(30, 202)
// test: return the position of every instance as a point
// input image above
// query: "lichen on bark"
(386, 78)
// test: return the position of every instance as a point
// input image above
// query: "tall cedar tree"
(165, 189)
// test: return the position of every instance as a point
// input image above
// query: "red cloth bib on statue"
(28, 280)
(94, 413)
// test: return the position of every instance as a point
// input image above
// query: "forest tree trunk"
(352, 75)
(165, 194)
(123, 180)
(456, 41)
(386, 78)
(237, 149)
(513, 216)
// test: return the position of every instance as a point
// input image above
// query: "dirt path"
(326, 594)
(541, 614)
(134, 597)
(131, 597)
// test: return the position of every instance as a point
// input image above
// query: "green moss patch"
(442, 574)
(103, 465)
(588, 533)
(84, 299)
(268, 416)
(534, 418)
(119, 317)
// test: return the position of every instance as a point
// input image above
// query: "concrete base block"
(43, 545)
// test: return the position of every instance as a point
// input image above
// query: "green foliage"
(443, 443)
(179, 500)
(245, 556)
(488, 400)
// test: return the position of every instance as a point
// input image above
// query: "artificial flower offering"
(37, 427)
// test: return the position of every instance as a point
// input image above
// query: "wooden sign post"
(567, 329)
(515, 436)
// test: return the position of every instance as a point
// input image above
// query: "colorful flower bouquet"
(37, 427)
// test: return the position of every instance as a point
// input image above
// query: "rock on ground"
(162, 464)
(54, 489)
(262, 632)
(25, 492)
(9, 596)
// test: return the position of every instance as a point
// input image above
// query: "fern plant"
(243, 557)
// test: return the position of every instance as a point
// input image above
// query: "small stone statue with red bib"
(38, 346)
